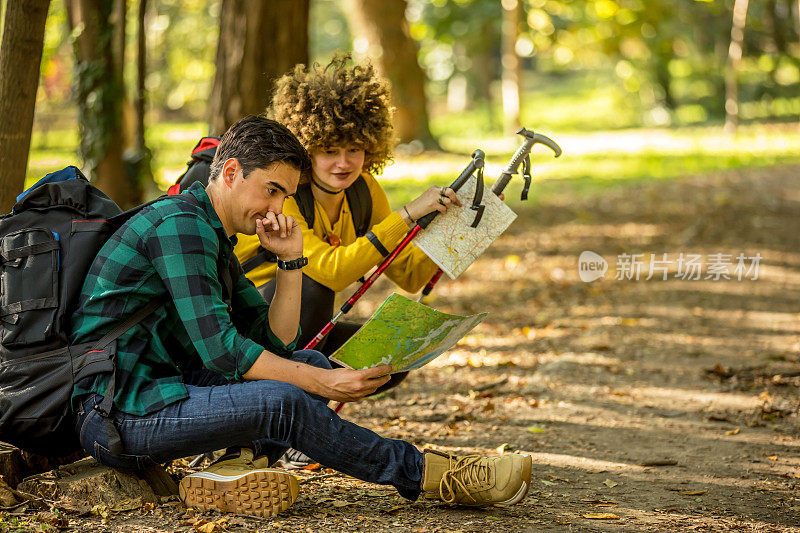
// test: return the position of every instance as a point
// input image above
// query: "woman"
(342, 115)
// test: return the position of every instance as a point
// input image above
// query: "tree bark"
(732, 66)
(100, 94)
(258, 43)
(512, 66)
(384, 25)
(20, 57)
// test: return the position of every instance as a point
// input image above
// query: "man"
(200, 374)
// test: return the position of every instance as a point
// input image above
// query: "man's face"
(263, 190)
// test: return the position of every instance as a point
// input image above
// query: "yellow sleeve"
(411, 269)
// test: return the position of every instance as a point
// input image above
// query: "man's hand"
(345, 385)
(281, 235)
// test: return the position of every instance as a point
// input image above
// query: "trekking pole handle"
(477, 162)
(519, 156)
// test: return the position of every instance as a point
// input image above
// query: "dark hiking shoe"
(295, 460)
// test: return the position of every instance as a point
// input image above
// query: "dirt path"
(667, 405)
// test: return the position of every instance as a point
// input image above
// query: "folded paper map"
(405, 334)
(449, 240)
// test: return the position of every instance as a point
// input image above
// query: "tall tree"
(99, 26)
(512, 67)
(383, 23)
(20, 55)
(732, 67)
(258, 42)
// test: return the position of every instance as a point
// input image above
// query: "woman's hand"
(433, 199)
(281, 235)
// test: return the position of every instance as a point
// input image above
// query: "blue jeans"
(268, 416)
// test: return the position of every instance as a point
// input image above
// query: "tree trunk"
(384, 25)
(512, 66)
(100, 93)
(258, 43)
(732, 67)
(20, 56)
(141, 73)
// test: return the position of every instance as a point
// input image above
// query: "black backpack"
(358, 197)
(47, 245)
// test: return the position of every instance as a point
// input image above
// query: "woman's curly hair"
(338, 105)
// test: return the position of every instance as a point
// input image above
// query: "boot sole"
(261, 493)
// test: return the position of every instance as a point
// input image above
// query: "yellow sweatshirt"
(336, 267)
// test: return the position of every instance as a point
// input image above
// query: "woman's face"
(337, 167)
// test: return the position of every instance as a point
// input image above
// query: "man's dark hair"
(258, 142)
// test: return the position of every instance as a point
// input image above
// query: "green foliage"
(329, 30)
(182, 38)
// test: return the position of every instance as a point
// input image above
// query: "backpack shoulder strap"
(360, 202)
(305, 202)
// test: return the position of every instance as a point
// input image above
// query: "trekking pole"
(422, 223)
(521, 156)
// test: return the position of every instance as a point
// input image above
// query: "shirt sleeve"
(411, 269)
(183, 250)
(250, 316)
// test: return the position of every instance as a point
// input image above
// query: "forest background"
(633, 90)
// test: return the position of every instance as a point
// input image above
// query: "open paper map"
(450, 241)
(405, 334)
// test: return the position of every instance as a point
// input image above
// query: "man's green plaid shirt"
(170, 250)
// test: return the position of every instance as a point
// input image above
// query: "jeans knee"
(312, 357)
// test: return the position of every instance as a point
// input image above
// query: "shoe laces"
(468, 471)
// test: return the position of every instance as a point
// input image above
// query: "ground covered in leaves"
(649, 405)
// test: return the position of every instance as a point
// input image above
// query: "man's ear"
(229, 169)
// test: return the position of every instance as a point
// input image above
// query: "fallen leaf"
(733, 431)
(594, 500)
(126, 505)
(610, 484)
(312, 466)
(208, 527)
(100, 510)
(534, 429)
(511, 262)
(505, 447)
(340, 503)
(629, 322)
(394, 510)
(204, 526)
(600, 516)
(773, 457)
(545, 482)
(693, 492)
(53, 519)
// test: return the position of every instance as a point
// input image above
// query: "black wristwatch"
(294, 264)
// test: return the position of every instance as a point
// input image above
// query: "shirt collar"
(199, 191)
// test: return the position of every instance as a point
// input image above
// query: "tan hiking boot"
(476, 480)
(242, 485)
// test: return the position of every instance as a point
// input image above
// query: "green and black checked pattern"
(170, 250)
